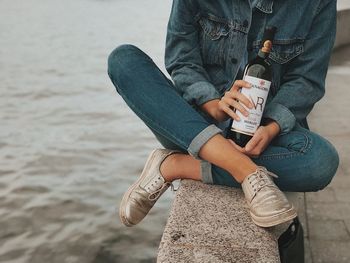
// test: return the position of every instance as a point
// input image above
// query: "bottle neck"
(265, 49)
(263, 54)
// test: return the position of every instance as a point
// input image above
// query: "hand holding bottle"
(257, 72)
(234, 100)
(261, 139)
(226, 107)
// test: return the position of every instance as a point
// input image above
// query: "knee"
(324, 163)
(120, 59)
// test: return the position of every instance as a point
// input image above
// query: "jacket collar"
(265, 6)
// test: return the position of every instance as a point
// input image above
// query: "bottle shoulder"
(259, 68)
(259, 60)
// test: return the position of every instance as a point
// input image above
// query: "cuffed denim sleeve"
(201, 92)
(281, 114)
(183, 60)
(303, 83)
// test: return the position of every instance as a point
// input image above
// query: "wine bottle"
(257, 72)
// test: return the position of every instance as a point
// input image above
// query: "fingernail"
(246, 114)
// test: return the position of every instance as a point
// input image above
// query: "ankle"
(243, 172)
(168, 167)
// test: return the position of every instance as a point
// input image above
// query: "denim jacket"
(207, 40)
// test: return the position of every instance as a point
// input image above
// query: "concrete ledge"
(212, 224)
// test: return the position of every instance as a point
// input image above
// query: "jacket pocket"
(213, 27)
(283, 52)
(214, 37)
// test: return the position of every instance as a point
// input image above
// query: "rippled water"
(69, 146)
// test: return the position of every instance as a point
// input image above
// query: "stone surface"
(205, 228)
(212, 224)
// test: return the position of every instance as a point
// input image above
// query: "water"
(69, 146)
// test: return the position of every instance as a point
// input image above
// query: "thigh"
(303, 161)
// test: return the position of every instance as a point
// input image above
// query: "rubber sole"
(274, 220)
(126, 196)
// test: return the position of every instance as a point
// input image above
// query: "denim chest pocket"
(215, 36)
(214, 29)
(284, 51)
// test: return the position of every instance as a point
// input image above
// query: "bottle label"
(257, 95)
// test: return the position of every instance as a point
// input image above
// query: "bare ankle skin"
(219, 151)
(180, 166)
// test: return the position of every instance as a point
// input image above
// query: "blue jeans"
(303, 160)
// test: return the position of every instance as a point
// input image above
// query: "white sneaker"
(268, 204)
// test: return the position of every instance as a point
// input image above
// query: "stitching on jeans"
(303, 150)
(307, 140)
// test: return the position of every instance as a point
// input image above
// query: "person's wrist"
(273, 128)
(211, 108)
(221, 115)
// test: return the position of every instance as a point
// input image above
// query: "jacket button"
(245, 23)
(234, 60)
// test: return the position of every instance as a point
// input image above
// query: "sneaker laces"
(259, 180)
(153, 196)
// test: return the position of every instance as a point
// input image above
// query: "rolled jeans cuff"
(201, 138)
(206, 174)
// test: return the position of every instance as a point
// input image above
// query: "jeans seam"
(303, 151)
